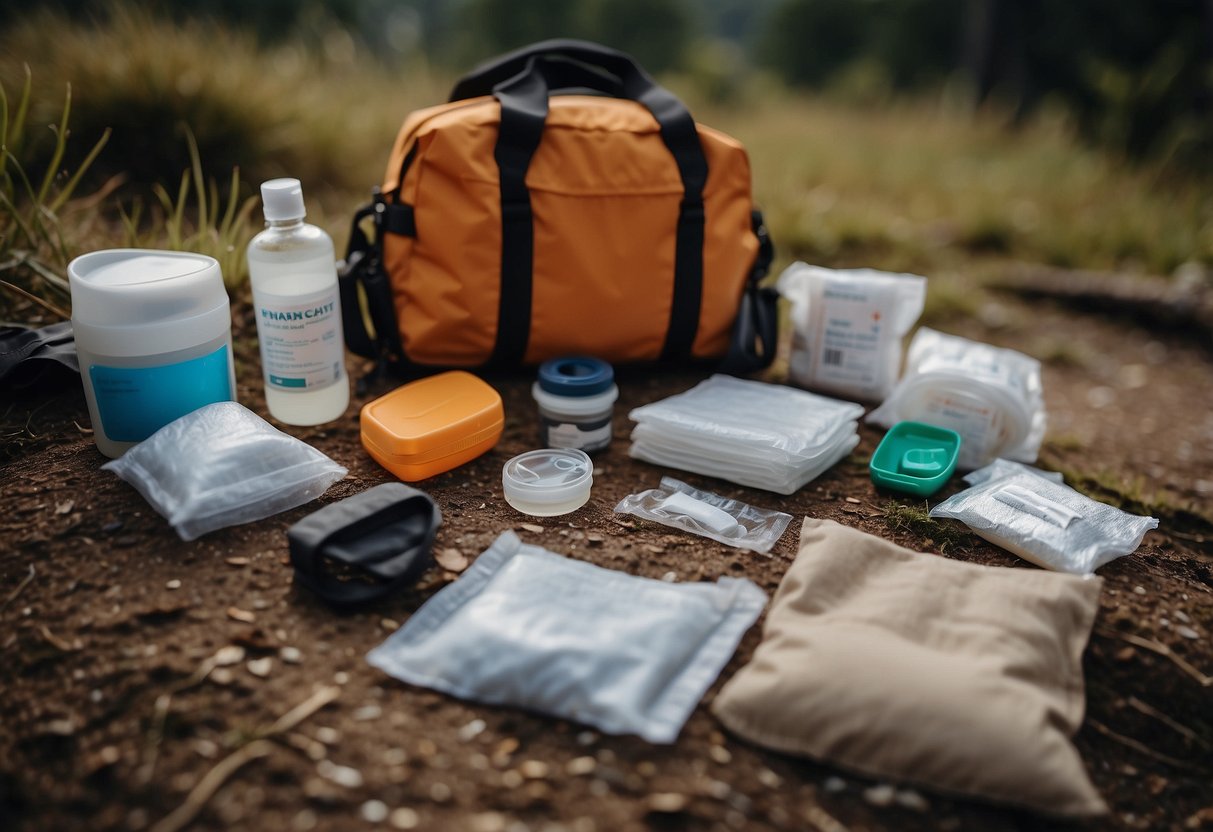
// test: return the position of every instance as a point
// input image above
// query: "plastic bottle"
(294, 277)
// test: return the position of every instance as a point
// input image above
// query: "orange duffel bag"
(562, 203)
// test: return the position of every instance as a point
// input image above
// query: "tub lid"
(131, 287)
(576, 375)
(549, 475)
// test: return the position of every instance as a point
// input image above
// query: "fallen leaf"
(452, 560)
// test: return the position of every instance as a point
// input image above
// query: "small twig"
(823, 821)
(21, 586)
(302, 711)
(54, 641)
(210, 783)
(184, 814)
(1140, 747)
(45, 304)
(1162, 650)
(163, 703)
(1179, 728)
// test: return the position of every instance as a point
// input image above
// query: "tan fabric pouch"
(913, 667)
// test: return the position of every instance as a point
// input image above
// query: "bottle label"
(300, 337)
(589, 437)
(135, 402)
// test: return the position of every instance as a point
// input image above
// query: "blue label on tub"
(135, 402)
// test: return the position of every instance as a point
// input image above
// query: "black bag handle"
(487, 75)
(524, 106)
(756, 329)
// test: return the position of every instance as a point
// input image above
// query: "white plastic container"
(991, 396)
(576, 398)
(548, 482)
(154, 335)
(294, 277)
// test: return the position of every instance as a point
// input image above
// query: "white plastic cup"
(576, 399)
(154, 334)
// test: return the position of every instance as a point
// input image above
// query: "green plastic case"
(915, 458)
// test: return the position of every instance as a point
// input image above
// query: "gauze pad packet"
(529, 628)
(1029, 513)
(730, 522)
(223, 465)
(847, 326)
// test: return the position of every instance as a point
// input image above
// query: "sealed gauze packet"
(532, 629)
(1034, 515)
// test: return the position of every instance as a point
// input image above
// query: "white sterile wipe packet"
(528, 628)
(731, 522)
(752, 415)
(991, 396)
(223, 465)
(847, 326)
(1031, 514)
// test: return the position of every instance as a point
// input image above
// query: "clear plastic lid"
(549, 481)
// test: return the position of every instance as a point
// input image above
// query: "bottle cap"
(282, 199)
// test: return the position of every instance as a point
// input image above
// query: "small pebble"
(534, 769)
(222, 676)
(667, 802)
(236, 561)
(230, 655)
(834, 785)
(1187, 632)
(511, 779)
(769, 779)
(243, 616)
(367, 713)
(440, 792)
(487, 822)
(350, 778)
(472, 730)
(587, 738)
(374, 811)
(173, 584)
(389, 624)
(910, 799)
(881, 795)
(395, 757)
(341, 678)
(531, 527)
(404, 819)
(451, 560)
(261, 667)
(594, 539)
(327, 735)
(720, 754)
(1139, 590)
(670, 577)
(1182, 617)
(290, 655)
(580, 766)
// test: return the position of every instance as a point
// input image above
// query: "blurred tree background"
(919, 135)
(1136, 74)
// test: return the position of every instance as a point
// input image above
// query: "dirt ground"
(112, 710)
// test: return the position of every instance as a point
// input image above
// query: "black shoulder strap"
(363, 269)
(756, 330)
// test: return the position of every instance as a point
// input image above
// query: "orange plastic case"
(432, 425)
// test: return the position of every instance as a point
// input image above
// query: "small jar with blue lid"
(576, 397)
